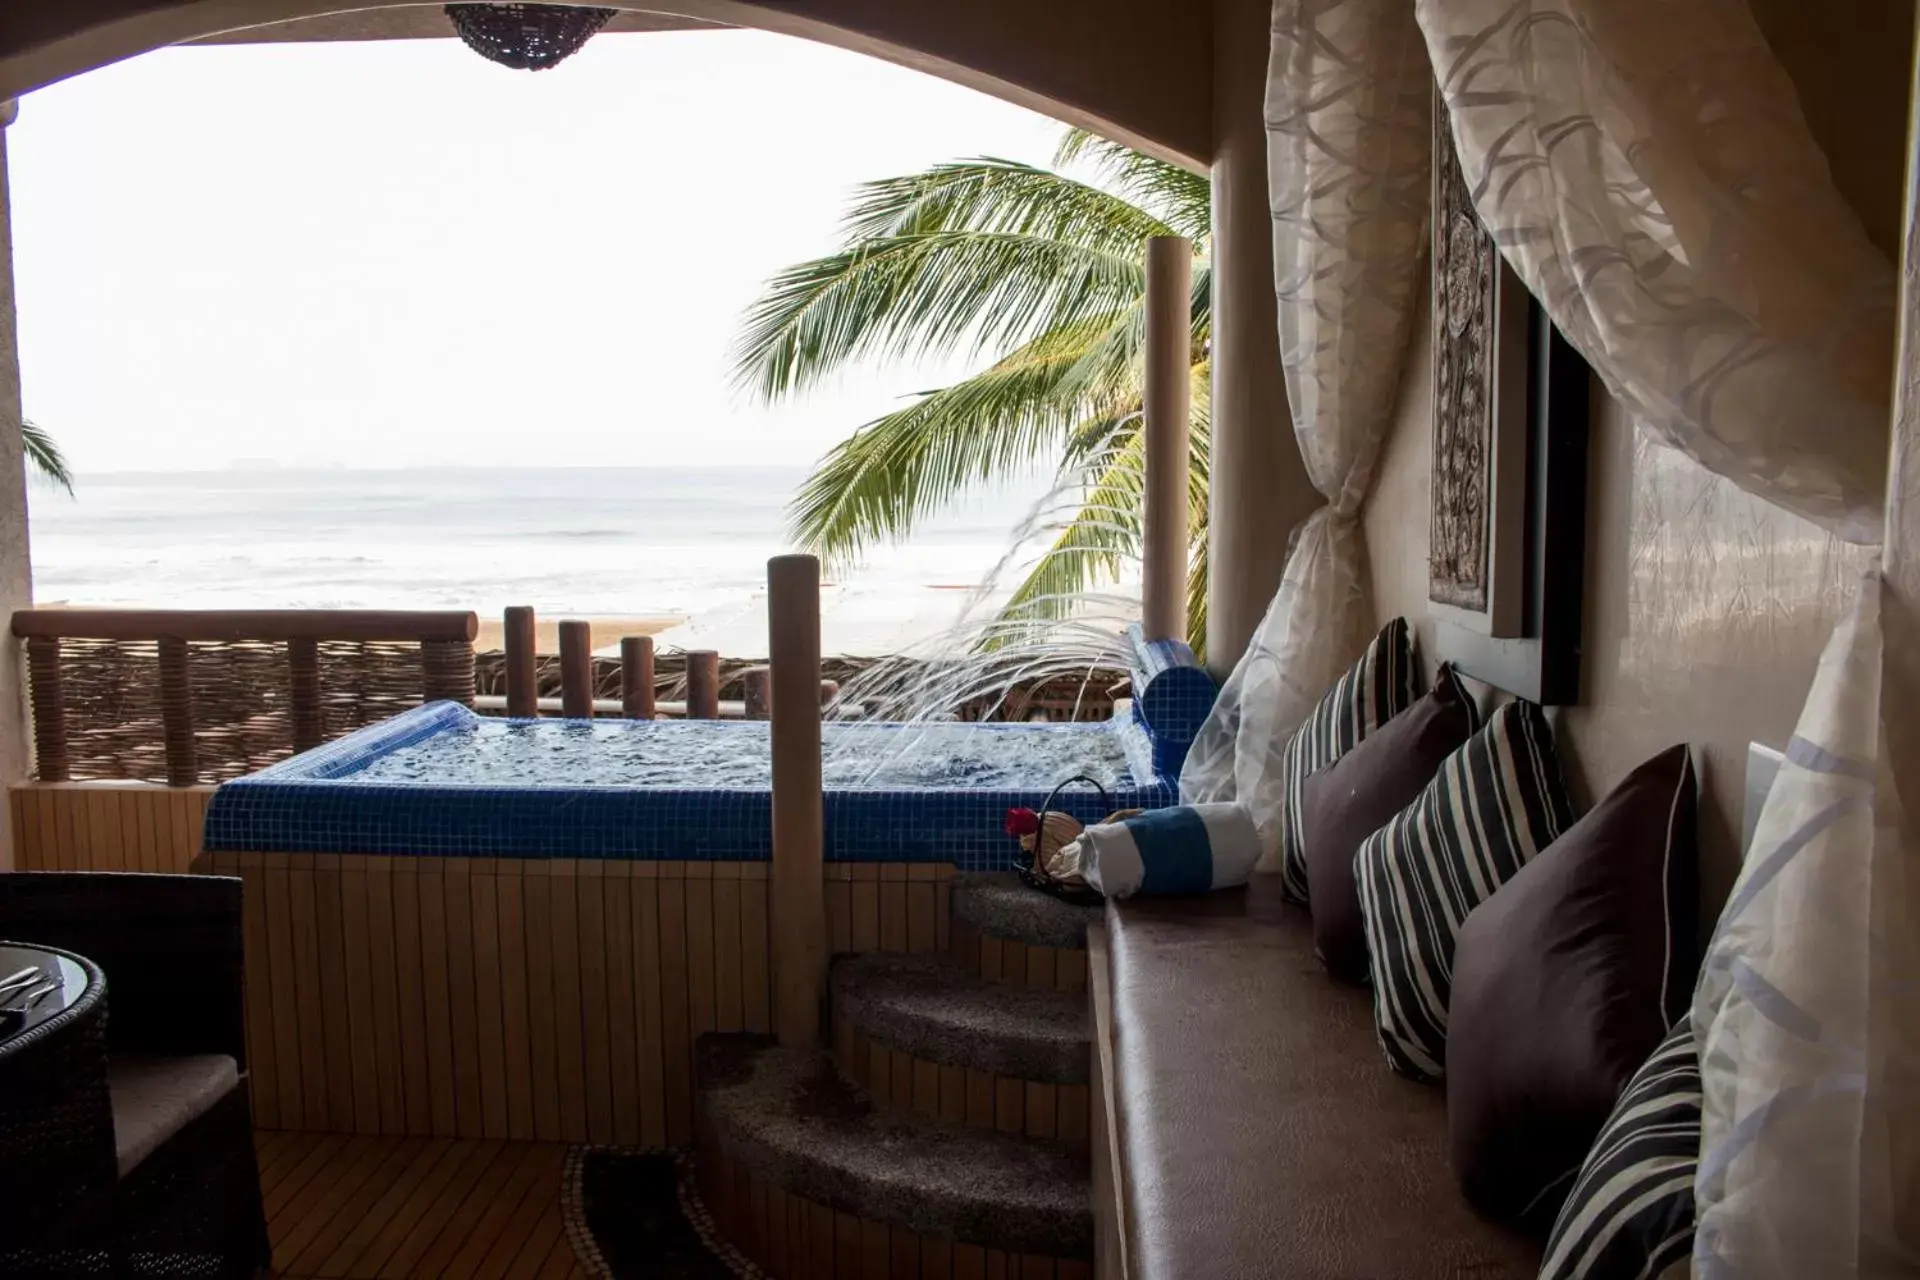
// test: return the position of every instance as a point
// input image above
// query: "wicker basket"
(1057, 830)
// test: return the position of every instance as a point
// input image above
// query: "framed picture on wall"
(1507, 515)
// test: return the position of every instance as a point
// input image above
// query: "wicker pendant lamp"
(529, 37)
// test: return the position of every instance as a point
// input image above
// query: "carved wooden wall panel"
(1465, 277)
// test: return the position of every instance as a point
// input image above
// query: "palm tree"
(45, 456)
(1038, 270)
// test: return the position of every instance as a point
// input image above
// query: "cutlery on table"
(31, 1000)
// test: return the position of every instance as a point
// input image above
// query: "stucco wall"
(16, 579)
(1706, 608)
(1141, 68)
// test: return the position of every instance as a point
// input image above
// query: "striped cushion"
(1630, 1215)
(1375, 689)
(1495, 803)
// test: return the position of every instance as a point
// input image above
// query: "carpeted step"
(929, 1007)
(1000, 905)
(794, 1120)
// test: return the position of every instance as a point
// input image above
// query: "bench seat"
(1260, 1133)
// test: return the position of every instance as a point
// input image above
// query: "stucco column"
(1168, 417)
(1259, 490)
(16, 578)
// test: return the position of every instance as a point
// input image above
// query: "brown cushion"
(1358, 794)
(1260, 1136)
(1563, 982)
(1382, 682)
(155, 1097)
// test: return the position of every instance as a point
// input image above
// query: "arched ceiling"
(1136, 70)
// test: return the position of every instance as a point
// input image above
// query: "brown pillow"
(1359, 793)
(1564, 981)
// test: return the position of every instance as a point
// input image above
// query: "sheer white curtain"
(1348, 156)
(1645, 168)
(1808, 1012)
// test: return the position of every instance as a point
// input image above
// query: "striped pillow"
(1373, 691)
(1630, 1215)
(1495, 803)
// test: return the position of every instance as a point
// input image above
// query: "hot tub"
(442, 781)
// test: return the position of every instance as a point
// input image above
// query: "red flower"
(1022, 822)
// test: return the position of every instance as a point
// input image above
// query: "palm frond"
(997, 195)
(1114, 363)
(873, 486)
(44, 454)
(1197, 573)
(1177, 196)
(1104, 533)
(1045, 270)
(1199, 506)
(915, 296)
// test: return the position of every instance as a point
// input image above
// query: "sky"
(399, 254)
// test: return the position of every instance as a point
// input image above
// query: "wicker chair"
(182, 1188)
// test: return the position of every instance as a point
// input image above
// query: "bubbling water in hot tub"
(916, 698)
(1142, 744)
(723, 756)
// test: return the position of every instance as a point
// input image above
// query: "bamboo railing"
(199, 697)
(186, 697)
(523, 683)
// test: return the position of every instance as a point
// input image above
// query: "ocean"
(686, 544)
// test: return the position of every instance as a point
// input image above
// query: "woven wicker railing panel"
(242, 702)
(241, 707)
(111, 690)
(361, 684)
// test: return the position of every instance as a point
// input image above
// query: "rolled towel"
(1189, 848)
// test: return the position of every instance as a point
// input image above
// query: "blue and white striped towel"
(1185, 849)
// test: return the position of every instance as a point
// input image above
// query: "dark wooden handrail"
(246, 624)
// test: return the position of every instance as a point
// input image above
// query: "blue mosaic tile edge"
(1172, 697)
(309, 804)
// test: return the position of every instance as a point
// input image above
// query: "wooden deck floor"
(361, 1208)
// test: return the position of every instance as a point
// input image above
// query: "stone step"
(1000, 905)
(931, 1008)
(793, 1121)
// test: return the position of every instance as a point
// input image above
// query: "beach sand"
(607, 631)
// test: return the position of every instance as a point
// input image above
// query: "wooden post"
(576, 670)
(48, 697)
(759, 694)
(1258, 488)
(703, 685)
(1163, 571)
(176, 713)
(303, 689)
(523, 684)
(797, 894)
(636, 677)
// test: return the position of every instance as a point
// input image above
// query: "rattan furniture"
(153, 1134)
(56, 1132)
